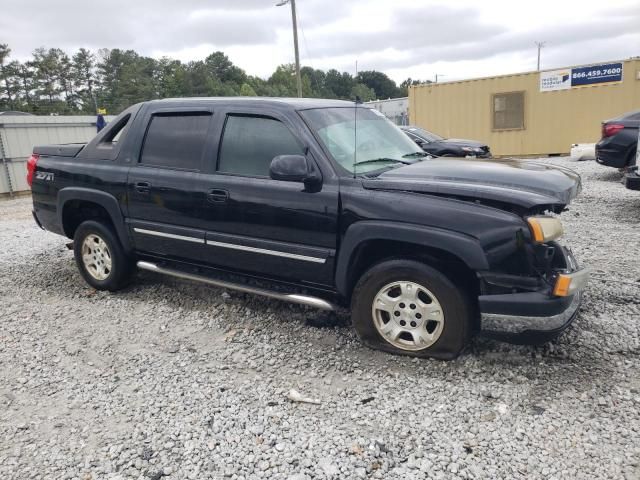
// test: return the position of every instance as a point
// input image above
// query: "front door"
(260, 225)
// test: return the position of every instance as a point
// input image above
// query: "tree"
(27, 81)
(316, 79)
(360, 90)
(53, 82)
(125, 78)
(283, 81)
(84, 80)
(247, 90)
(48, 81)
(7, 99)
(340, 84)
(380, 82)
(404, 86)
(65, 77)
(170, 78)
(219, 66)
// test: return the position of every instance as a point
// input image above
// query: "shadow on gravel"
(563, 361)
(611, 175)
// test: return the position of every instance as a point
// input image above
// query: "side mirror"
(294, 168)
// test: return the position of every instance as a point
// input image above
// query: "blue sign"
(595, 74)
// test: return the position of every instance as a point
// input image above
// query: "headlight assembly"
(544, 229)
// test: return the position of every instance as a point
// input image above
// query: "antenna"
(355, 134)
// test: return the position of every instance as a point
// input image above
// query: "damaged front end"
(535, 293)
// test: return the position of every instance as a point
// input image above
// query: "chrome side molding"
(286, 297)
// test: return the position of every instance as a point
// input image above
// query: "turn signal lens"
(568, 284)
(544, 229)
(563, 282)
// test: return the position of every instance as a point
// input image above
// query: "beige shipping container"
(535, 123)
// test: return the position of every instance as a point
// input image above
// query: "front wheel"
(406, 307)
(100, 258)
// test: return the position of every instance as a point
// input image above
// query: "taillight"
(31, 167)
(610, 129)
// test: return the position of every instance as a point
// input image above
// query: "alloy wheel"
(408, 315)
(96, 257)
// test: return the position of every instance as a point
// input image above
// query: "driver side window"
(249, 143)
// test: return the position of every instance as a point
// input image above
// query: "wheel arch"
(76, 204)
(370, 242)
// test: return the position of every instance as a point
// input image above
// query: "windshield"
(428, 136)
(379, 142)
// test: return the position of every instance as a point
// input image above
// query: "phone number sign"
(609, 72)
(580, 77)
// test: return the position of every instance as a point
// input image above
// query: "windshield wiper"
(382, 159)
(415, 154)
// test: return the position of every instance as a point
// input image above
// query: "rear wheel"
(100, 258)
(409, 308)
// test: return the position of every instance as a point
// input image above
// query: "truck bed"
(65, 150)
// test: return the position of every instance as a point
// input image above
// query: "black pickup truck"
(323, 203)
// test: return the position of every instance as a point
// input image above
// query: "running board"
(285, 297)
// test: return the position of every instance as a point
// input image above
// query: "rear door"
(165, 186)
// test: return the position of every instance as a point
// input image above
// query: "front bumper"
(537, 316)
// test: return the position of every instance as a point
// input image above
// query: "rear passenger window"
(250, 143)
(176, 140)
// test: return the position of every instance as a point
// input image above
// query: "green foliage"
(247, 90)
(381, 84)
(404, 86)
(360, 90)
(52, 82)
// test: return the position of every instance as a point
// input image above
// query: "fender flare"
(105, 200)
(465, 247)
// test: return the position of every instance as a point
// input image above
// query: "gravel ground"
(174, 380)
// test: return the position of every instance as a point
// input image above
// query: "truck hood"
(526, 184)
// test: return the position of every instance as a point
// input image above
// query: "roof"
(397, 99)
(295, 103)
(516, 74)
(14, 113)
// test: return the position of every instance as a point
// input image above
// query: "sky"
(454, 39)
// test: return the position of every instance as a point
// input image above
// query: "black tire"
(455, 304)
(121, 265)
(631, 158)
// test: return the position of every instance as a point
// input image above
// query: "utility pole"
(295, 41)
(439, 75)
(540, 45)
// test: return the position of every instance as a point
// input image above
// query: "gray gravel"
(173, 380)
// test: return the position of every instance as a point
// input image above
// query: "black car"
(446, 147)
(267, 196)
(617, 147)
(632, 175)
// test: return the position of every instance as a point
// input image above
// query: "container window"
(508, 111)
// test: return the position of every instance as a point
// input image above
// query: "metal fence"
(19, 134)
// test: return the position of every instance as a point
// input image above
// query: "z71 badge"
(47, 176)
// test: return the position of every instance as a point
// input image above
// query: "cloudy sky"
(404, 38)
